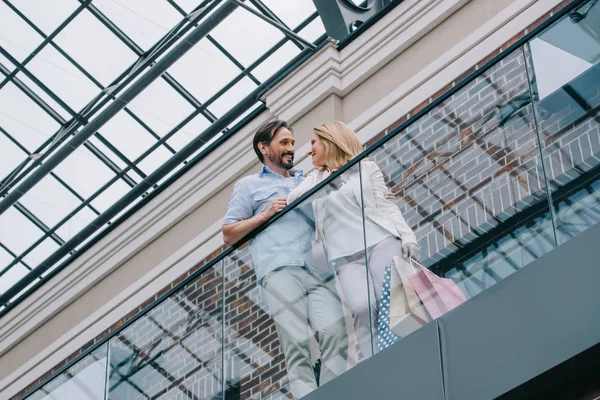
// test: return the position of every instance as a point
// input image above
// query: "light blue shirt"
(288, 241)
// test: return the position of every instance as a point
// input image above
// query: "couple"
(302, 299)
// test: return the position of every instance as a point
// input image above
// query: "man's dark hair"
(265, 133)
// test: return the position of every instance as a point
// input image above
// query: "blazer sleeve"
(388, 207)
(311, 179)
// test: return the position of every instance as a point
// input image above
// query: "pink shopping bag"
(439, 295)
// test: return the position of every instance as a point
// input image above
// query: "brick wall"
(457, 172)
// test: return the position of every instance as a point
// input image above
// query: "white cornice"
(338, 72)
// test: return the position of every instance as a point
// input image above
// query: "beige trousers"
(305, 306)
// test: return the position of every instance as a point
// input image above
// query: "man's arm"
(232, 233)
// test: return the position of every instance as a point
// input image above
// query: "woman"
(339, 224)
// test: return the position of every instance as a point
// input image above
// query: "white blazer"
(378, 209)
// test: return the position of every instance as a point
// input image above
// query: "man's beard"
(282, 161)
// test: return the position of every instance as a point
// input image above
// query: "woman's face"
(317, 151)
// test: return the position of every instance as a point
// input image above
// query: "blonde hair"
(341, 143)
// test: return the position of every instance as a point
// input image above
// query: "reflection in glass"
(86, 380)
(567, 104)
(175, 350)
(469, 171)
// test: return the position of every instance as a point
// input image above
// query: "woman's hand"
(411, 250)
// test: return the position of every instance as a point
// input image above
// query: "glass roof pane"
(277, 60)
(127, 135)
(292, 13)
(192, 129)
(43, 95)
(204, 70)
(5, 258)
(40, 252)
(111, 195)
(6, 63)
(84, 172)
(23, 119)
(47, 15)
(18, 38)
(161, 107)
(76, 223)
(313, 31)
(12, 276)
(63, 78)
(232, 97)
(107, 152)
(155, 159)
(258, 36)
(188, 5)
(12, 155)
(95, 48)
(144, 22)
(50, 201)
(16, 231)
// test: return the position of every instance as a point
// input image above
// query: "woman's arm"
(388, 207)
(312, 179)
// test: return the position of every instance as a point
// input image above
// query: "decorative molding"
(338, 72)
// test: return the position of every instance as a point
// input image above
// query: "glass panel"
(127, 135)
(12, 155)
(144, 22)
(40, 252)
(12, 276)
(258, 36)
(16, 231)
(86, 380)
(161, 107)
(110, 195)
(468, 182)
(23, 119)
(47, 15)
(43, 95)
(186, 134)
(567, 105)
(175, 350)
(232, 97)
(76, 223)
(286, 329)
(50, 201)
(292, 13)
(84, 172)
(155, 159)
(18, 38)
(63, 78)
(95, 48)
(196, 70)
(277, 60)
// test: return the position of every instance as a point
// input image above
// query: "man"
(302, 301)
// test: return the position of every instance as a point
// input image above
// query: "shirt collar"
(294, 172)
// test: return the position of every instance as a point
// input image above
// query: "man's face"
(280, 152)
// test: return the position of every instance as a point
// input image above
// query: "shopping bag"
(439, 295)
(385, 336)
(407, 312)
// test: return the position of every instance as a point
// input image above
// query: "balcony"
(495, 176)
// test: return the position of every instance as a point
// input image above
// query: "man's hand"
(276, 205)
(411, 250)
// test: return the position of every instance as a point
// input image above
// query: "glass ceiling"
(62, 62)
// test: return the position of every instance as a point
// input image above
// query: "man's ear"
(263, 148)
